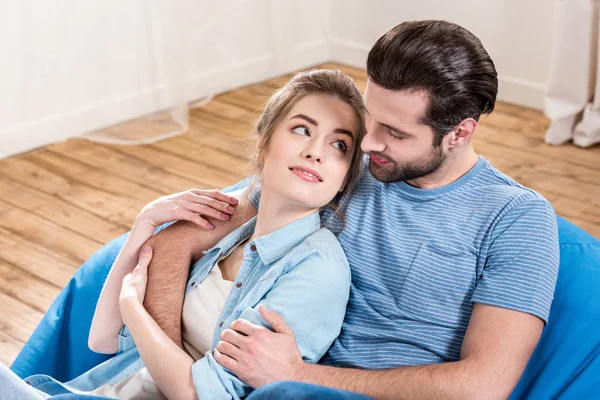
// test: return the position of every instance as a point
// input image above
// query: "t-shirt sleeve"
(522, 260)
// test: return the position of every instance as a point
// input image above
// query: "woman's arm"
(175, 248)
(169, 365)
(107, 321)
(187, 206)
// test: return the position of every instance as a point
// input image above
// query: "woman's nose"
(314, 151)
(310, 157)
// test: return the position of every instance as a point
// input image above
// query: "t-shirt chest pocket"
(439, 285)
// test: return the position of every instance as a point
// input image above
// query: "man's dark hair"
(443, 59)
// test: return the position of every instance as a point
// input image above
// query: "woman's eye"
(340, 146)
(301, 130)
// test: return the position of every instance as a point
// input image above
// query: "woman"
(307, 158)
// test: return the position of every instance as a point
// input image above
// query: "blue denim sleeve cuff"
(125, 340)
(215, 382)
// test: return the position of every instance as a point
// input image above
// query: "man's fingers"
(275, 320)
(233, 337)
(245, 327)
(225, 360)
(229, 349)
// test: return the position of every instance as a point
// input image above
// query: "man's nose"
(372, 141)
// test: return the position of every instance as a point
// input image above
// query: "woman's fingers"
(182, 214)
(215, 194)
(144, 259)
(210, 203)
(205, 211)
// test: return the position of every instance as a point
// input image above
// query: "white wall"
(72, 66)
(516, 33)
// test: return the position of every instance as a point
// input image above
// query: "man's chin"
(382, 173)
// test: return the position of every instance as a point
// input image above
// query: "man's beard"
(397, 172)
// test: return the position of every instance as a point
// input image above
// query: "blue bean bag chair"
(565, 364)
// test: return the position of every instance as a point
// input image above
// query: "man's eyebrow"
(315, 123)
(391, 128)
(396, 130)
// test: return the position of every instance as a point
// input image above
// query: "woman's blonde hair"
(320, 81)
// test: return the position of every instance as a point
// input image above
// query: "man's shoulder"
(514, 202)
(497, 183)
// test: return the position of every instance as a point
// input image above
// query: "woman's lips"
(304, 174)
(378, 160)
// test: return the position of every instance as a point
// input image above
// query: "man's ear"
(462, 132)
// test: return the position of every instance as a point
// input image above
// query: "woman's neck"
(275, 213)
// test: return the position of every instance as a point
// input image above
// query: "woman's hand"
(133, 289)
(191, 205)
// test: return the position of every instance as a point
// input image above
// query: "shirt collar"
(272, 246)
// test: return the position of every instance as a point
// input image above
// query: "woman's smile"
(306, 174)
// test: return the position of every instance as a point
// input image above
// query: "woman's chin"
(309, 200)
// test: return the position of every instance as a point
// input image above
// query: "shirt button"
(28, 384)
(239, 284)
(253, 248)
(193, 283)
(221, 324)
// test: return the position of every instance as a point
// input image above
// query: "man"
(453, 263)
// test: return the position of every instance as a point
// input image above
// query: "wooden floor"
(59, 204)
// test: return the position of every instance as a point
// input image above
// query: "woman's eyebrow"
(307, 119)
(343, 131)
(315, 123)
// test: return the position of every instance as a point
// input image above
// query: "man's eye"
(301, 130)
(394, 135)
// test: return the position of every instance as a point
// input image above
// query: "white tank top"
(201, 310)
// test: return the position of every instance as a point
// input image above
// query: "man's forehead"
(408, 105)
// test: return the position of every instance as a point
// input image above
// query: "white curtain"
(167, 53)
(573, 98)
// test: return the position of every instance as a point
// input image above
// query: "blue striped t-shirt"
(420, 258)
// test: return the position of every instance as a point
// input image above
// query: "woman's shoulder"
(324, 239)
(321, 248)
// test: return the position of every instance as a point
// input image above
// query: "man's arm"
(175, 248)
(496, 348)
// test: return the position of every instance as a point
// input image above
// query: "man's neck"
(452, 169)
(275, 213)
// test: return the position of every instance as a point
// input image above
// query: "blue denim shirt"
(299, 271)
